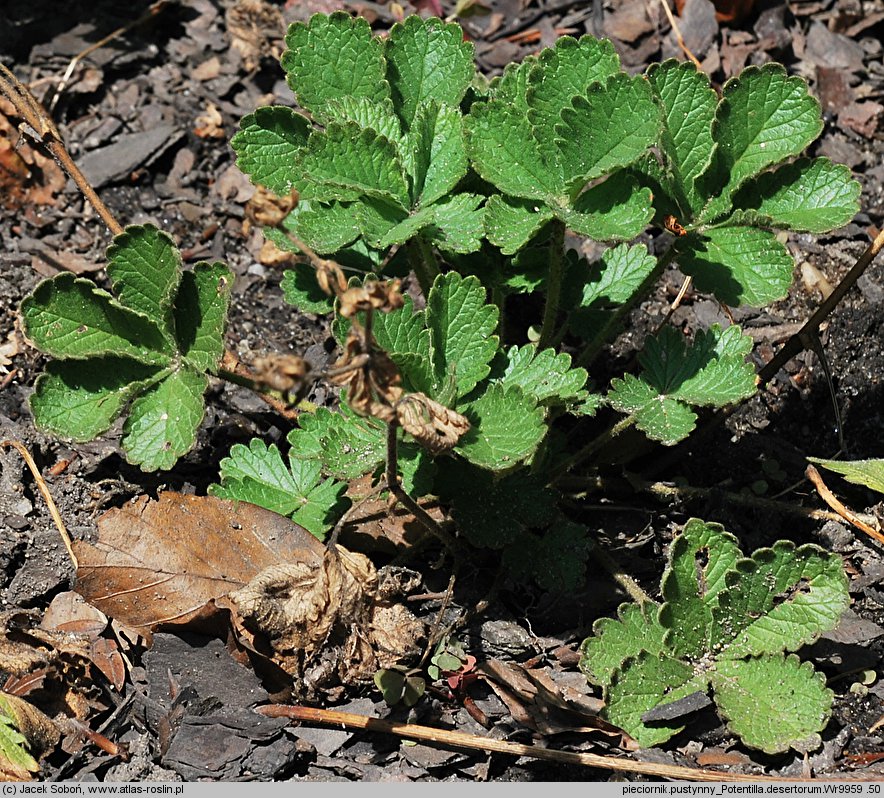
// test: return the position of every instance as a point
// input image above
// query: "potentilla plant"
(398, 146)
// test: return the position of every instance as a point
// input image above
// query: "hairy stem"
(553, 284)
(616, 572)
(423, 261)
(591, 448)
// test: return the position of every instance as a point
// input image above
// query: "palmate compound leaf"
(545, 376)
(763, 118)
(781, 599)
(110, 355)
(712, 371)
(773, 702)
(491, 510)
(869, 473)
(257, 474)
(331, 57)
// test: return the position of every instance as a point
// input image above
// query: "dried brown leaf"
(210, 124)
(39, 731)
(535, 700)
(382, 295)
(434, 426)
(26, 175)
(160, 562)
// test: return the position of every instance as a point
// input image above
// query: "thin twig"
(413, 731)
(41, 484)
(234, 371)
(151, 12)
(678, 37)
(395, 486)
(619, 575)
(799, 341)
(41, 123)
(829, 498)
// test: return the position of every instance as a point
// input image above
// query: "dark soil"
(129, 115)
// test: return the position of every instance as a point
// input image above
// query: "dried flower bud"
(284, 373)
(374, 295)
(436, 427)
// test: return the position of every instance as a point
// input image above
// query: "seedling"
(726, 622)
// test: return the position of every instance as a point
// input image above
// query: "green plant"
(727, 622)
(399, 146)
(148, 347)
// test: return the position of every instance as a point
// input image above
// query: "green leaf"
(366, 113)
(615, 210)
(806, 195)
(332, 57)
(79, 400)
(563, 72)
(68, 317)
(699, 558)
(614, 641)
(201, 314)
(461, 330)
(712, 371)
(780, 599)
(299, 288)
(434, 152)
(740, 265)
(763, 118)
(773, 703)
(511, 87)
(350, 157)
(608, 127)
(557, 560)
(502, 149)
(145, 270)
(661, 418)
(257, 474)
(491, 511)
(458, 224)
(403, 334)
(324, 227)
(642, 683)
(268, 147)
(689, 104)
(507, 427)
(511, 223)
(617, 275)
(869, 473)
(545, 376)
(349, 447)
(429, 61)
(14, 757)
(163, 421)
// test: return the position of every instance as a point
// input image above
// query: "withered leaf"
(434, 426)
(160, 562)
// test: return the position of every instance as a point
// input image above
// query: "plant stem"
(594, 345)
(592, 447)
(423, 261)
(553, 284)
(395, 486)
(234, 371)
(616, 572)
